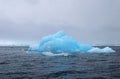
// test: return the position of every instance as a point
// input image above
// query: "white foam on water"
(52, 54)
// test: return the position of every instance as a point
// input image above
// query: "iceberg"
(62, 43)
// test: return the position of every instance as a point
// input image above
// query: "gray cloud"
(89, 21)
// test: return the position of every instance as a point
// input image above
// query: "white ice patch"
(103, 50)
(52, 54)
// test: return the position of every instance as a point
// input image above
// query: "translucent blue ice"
(62, 43)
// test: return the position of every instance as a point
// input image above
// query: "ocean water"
(17, 63)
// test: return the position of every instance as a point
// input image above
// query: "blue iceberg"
(62, 43)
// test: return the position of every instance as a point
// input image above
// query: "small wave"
(52, 54)
(62, 73)
(4, 62)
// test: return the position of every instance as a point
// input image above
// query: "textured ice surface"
(60, 42)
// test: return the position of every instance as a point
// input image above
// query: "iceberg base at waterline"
(62, 43)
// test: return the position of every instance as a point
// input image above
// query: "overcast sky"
(88, 21)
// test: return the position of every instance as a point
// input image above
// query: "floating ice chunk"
(52, 54)
(99, 50)
(60, 42)
(108, 49)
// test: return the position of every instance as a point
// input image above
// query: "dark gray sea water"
(16, 63)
